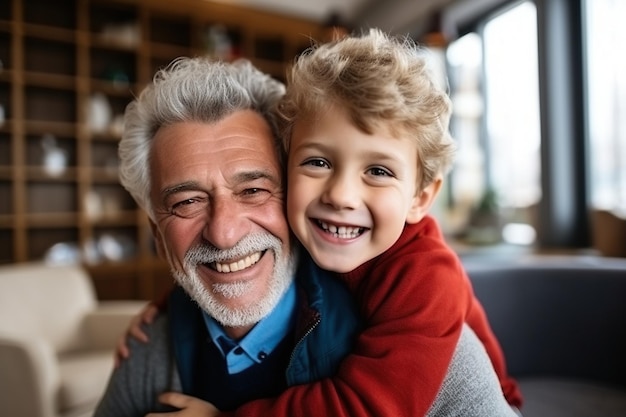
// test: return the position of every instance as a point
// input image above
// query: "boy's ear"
(423, 201)
(158, 240)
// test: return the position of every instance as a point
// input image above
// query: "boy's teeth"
(343, 232)
(239, 265)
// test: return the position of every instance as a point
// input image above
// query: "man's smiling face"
(218, 202)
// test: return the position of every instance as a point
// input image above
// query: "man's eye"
(189, 207)
(253, 191)
(255, 195)
(317, 162)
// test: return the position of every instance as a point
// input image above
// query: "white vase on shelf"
(54, 157)
(99, 113)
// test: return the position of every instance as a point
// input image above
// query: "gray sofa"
(561, 321)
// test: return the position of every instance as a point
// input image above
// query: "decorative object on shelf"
(104, 204)
(99, 113)
(118, 77)
(109, 247)
(62, 253)
(100, 206)
(93, 205)
(54, 157)
(116, 247)
(125, 34)
(217, 43)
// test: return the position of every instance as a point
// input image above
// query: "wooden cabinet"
(68, 68)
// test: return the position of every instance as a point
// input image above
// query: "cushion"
(553, 397)
(83, 378)
(46, 301)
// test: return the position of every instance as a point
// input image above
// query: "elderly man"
(251, 318)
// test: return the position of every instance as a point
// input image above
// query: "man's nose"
(342, 192)
(226, 223)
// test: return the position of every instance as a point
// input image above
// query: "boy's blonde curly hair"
(382, 82)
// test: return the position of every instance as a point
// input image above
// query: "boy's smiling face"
(350, 193)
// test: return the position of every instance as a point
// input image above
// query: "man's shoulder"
(471, 387)
(151, 358)
(149, 370)
(158, 334)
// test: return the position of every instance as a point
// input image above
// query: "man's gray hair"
(189, 90)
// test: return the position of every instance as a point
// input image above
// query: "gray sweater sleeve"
(471, 387)
(134, 386)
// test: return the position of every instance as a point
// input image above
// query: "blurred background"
(539, 93)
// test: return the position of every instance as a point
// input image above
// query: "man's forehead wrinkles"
(255, 175)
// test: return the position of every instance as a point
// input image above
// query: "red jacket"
(414, 298)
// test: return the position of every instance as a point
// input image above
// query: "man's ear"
(158, 239)
(423, 201)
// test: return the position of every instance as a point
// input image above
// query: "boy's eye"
(317, 162)
(380, 172)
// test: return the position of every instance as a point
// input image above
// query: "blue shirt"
(261, 340)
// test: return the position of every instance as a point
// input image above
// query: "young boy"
(366, 133)
(367, 142)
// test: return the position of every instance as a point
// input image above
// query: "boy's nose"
(342, 193)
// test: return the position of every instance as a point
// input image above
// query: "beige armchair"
(56, 340)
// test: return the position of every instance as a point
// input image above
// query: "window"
(606, 105)
(495, 90)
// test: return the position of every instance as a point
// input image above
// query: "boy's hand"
(145, 316)
(189, 406)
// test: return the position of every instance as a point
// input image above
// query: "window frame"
(563, 212)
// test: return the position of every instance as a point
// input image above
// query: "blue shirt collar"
(255, 346)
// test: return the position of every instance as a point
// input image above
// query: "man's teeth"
(342, 232)
(239, 265)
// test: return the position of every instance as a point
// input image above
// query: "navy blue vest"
(209, 378)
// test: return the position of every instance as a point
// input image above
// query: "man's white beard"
(284, 268)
